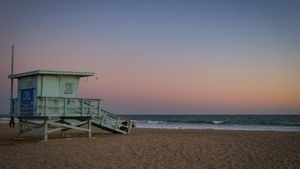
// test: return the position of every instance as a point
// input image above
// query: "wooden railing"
(60, 106)
(114, 122)
(76, 107)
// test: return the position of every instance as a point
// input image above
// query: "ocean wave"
(223, 122)
(219, 127)
(197, 121)
(4, 119)
(218, 122)
(152, 122)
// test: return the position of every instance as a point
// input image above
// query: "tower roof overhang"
(51, 72)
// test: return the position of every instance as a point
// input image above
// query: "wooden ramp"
(112, 122)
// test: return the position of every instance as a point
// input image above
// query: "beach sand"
(152, 148)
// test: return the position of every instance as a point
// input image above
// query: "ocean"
(216, 122)
(220, 122)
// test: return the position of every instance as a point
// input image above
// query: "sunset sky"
(162, 57)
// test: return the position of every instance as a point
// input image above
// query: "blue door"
(27, 102)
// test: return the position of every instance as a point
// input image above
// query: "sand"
(153, 148)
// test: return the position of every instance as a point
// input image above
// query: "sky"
(162, 57)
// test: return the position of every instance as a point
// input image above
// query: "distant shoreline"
(286, 123)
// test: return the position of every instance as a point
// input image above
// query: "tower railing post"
(65, 106)
(82, 106)
(46, 104)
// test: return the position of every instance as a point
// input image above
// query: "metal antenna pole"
(12, 83)
(12, 59)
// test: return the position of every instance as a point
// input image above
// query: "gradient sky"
(183, 57)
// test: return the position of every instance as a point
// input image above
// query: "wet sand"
(152, 148)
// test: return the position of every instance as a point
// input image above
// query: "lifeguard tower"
(47, 99)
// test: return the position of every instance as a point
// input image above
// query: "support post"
(62, 133)
(129, 127)
(46, 130)
(20, 127)
(90, 128)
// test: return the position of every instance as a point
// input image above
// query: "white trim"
(51, 72)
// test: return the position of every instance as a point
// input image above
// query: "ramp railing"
(112, 122)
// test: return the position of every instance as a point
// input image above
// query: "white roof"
(51, 72)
